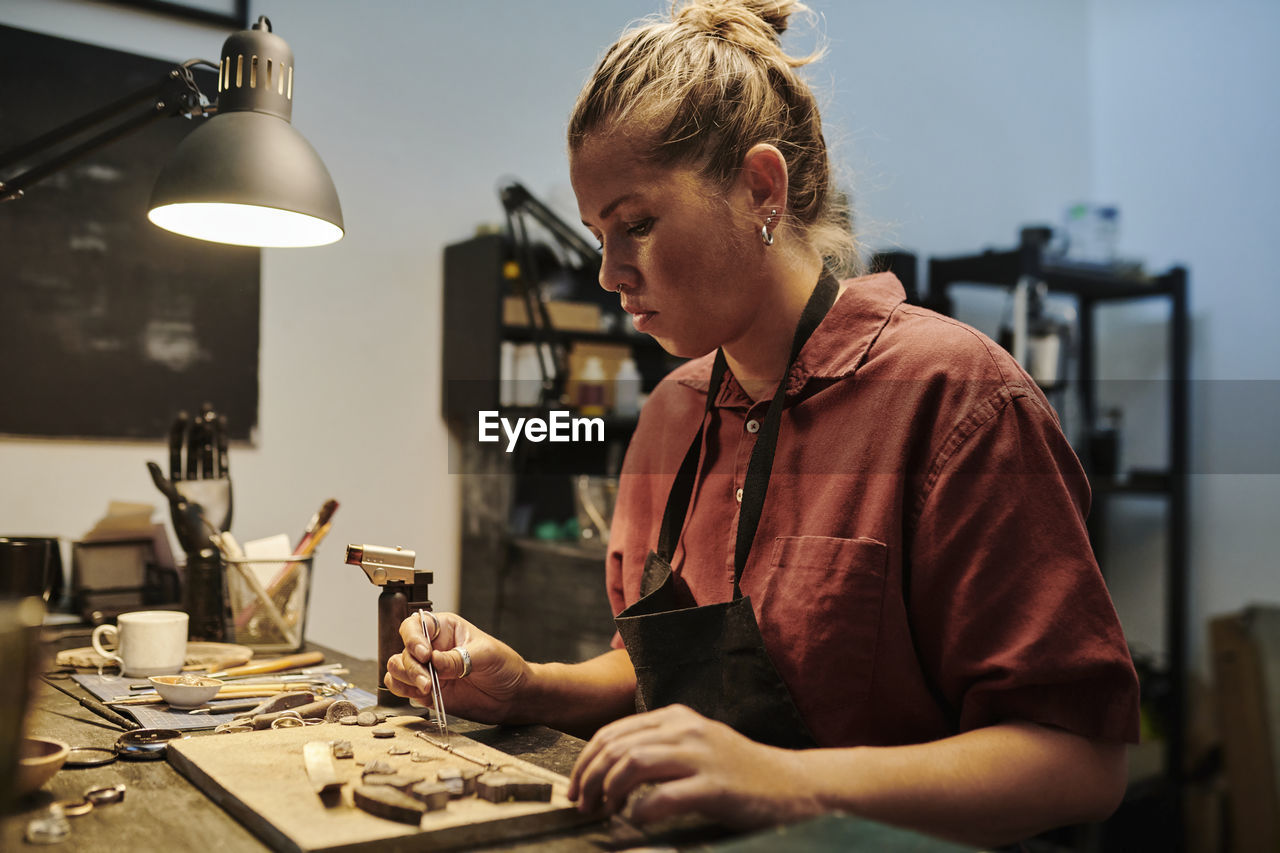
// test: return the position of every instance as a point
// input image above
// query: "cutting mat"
(260, 778)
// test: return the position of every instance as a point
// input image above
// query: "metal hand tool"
(442, 722)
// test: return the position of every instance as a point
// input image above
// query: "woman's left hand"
(690, 764)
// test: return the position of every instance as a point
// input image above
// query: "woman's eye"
(640, 228)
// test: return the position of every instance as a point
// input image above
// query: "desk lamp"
(246, 177)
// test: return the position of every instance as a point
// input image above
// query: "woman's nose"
(614, 276)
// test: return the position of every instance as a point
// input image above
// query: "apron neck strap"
(756, 484)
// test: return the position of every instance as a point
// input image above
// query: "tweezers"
(442, 721)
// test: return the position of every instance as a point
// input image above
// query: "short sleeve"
(1008, 607)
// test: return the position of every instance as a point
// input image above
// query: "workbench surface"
(163, 811)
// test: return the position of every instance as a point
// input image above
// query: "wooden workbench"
(163, 811)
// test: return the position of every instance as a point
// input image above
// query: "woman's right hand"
(490, 689)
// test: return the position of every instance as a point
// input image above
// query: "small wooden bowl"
(38, 759)
(185, 691)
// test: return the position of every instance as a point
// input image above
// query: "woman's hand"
(490, 689)
(687, 763)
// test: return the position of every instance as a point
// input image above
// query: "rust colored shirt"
(922, 566)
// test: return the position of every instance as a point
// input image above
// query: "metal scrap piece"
(278, 702)
(105, 795)
(395, 780)
(378, 766)
(397, 749)
(338, 710)
(314, 710)
(391, 803)
(343, 749)
(74, 808)
(318, 757)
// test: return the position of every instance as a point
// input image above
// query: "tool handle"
(274, 665)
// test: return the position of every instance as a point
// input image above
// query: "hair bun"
(723, 17)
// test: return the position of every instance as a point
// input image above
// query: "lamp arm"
(175, 94)
(516, 199)
(545, 338)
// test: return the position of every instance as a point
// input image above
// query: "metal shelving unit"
(1091, 288)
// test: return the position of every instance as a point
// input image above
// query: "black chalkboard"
(108, 324)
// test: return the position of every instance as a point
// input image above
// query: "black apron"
(712, 658)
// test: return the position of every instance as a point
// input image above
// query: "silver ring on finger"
(466, 661)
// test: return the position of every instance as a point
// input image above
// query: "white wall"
(959, 123)
(1186, 130)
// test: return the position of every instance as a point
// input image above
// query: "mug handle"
(96, 639)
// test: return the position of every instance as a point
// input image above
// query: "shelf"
(1089, 281)
(560, 548)
(523, 334)
(1093, 286)
(1139, 482)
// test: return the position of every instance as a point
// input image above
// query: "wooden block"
(460, 782)
(317, 756)
(434, 795)
(508, 787)
(260, 779)
(390, 803)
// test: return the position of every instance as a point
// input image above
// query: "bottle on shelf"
(591, 388)
(626, 389)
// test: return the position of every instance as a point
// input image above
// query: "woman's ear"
(764, 178)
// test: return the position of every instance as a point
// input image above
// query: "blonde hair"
(707, 85)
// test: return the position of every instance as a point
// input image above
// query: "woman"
(848, 560)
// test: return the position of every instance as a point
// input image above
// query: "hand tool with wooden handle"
(273, 665)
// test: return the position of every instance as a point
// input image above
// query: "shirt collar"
(837, 347)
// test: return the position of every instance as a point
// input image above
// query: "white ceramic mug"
(147, 642)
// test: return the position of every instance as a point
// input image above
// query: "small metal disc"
(145, 744)
(89, 756)
(383, 732)
(349, 720)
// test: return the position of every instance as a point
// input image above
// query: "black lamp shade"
(247, 177)
(250, 179)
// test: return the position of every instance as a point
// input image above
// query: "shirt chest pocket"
(820, 614)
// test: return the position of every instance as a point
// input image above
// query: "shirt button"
(753, 426)
(738, 495)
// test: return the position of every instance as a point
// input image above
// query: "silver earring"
(765, 234)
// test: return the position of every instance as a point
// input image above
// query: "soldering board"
(260, 778)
